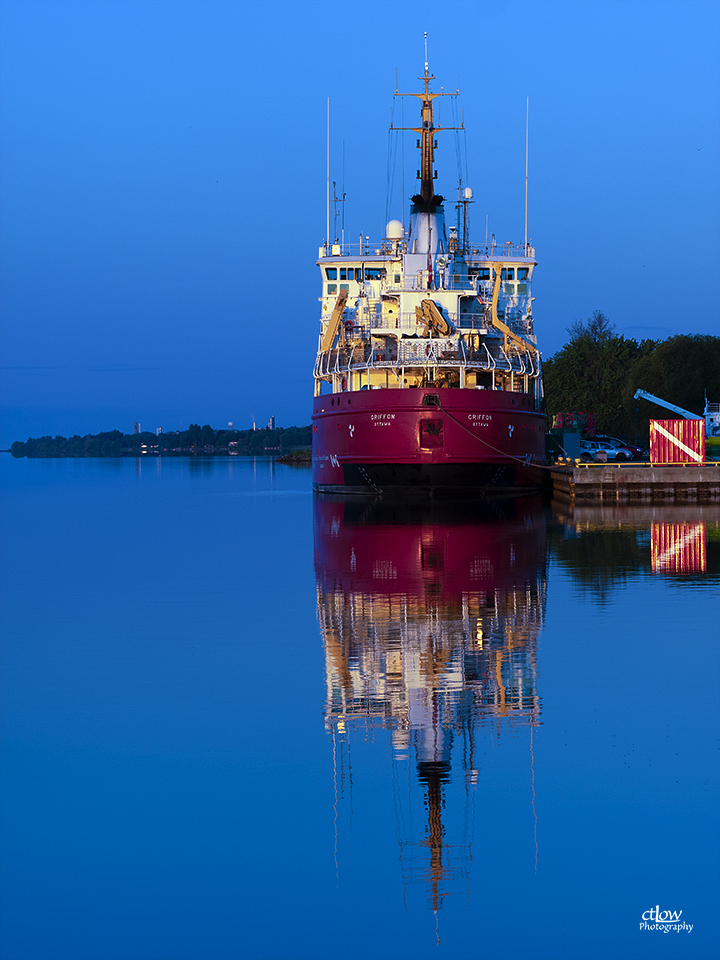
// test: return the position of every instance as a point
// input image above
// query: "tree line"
(599, 371)
(195, 440)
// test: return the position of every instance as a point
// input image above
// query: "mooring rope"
(526, 461)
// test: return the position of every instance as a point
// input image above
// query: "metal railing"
(365, 247)
(441, 352)
(637, 464)
(503, 251)
(440, 281)
(407, 320)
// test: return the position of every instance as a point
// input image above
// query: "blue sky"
(163, 183)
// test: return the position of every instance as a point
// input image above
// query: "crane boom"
(334, 321)
(644, 395)
(503, 327)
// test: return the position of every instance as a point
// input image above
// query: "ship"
(428, 378)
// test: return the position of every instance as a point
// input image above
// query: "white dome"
(467, 193)
(395, 230)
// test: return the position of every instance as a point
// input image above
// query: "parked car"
(603, 450)
(638, 452)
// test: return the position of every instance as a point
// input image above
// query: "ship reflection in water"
(430, 614)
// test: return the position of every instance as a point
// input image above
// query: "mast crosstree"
(427, 200)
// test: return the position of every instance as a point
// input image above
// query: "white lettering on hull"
(480, 419)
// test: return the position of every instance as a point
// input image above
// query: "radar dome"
(395, 230)
(467, 193)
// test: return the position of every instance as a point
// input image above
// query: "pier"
(644, 482)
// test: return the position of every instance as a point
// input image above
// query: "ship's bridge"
(460, 283)
(392, 264)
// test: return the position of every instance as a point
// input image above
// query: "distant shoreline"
(292, 444)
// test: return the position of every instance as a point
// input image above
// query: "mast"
(428, 143)
(427, 200)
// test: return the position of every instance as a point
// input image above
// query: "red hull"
(420, 440)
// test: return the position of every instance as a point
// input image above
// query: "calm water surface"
(239, 722)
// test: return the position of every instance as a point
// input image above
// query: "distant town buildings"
(137, 426)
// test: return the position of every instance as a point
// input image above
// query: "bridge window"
(522, 288)
(332, 288)
(347, 273)
(523, 273)
(374, 273)
(510, 289)
(331, 273)
(508, 273)
(482, 273)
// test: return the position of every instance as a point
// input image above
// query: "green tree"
(207, 435)
(19, 449)
(681, 370)
(591, 372)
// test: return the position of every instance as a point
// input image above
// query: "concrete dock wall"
(642, 482)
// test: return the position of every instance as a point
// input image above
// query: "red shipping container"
(677, 441)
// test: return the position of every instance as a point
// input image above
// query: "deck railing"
(406, 320)
(374, 248)
(442, 352)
